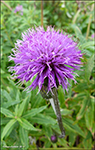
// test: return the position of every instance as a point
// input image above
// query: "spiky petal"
(50, 55)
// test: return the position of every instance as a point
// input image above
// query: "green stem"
(88, 28)
(6, 5)
(41, 12)
(58, 113)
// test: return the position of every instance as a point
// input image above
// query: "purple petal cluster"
(19, 8)
(93, 35)
(49, 55)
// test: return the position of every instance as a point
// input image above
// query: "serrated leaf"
(7, 128)
(23, 133)
(33, 112)
(89, 66)
(43, 119)
(72, 126)
(26, 125)
(6, 112)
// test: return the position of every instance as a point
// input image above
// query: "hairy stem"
(58, 113)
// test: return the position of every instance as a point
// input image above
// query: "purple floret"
(49, 55)
(19, 8)
(93, 35)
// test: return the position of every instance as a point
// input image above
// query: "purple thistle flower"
(19, 8)
(50, 55)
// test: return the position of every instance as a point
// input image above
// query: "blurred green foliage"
(27, 119)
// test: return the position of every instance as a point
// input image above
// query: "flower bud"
(54, 138)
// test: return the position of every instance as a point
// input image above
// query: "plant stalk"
(88, 27)
(6, 5)
(42, 13)
(58, 113)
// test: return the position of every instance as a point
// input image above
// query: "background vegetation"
(27, 119)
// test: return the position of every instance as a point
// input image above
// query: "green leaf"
(90, 3)
(78, 33)
(87, 141)
(87, 44)
(6, 112)
(47, 130)
(10, 103)
(4, 74)
(43, 119)
(72, 138)
(89, 116)
(79, 96)
(22, 107)
(61, 96)
(18, 95)
(26, 125)
(16, 109)
(64, 143)
(46, 141)
(23, 133)
(6, 95)
(90, 48)
(65, 112)
(11, 129)
(72, 127)
(35, 98)
(82, 110)
(50, 112)
(4, 120)
(33, 112)
(89, 66)
(80, 87)
(7, 128)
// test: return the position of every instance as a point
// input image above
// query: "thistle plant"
(51, 57)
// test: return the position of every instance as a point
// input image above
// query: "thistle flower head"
(49, 55)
